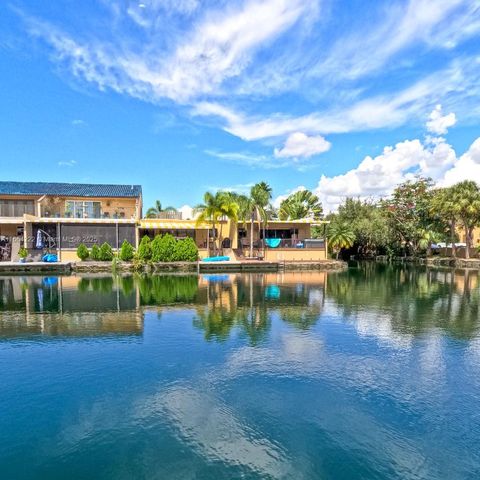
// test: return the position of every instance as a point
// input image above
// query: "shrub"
(145, 249)
(95, 253)
(82, 252)
(106, 252)
(126, 251)
(23, 252)
(163, 248)
(186, 251)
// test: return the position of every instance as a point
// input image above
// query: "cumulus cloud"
(438, 123)
(377, 176)
(300, 145)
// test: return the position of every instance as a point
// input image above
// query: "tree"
(409, 211)
(340, 235)
(126, 251)
(466, 206)
(106, 252)
(260, 196)
(145, 249)
(443, 205)
(82, 252)
(214, 207)
(301, 204)
(156, 210)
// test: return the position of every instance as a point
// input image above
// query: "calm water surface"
(372, 373)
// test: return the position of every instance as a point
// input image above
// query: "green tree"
(409, 211)
(443, 206)
(213, 209)
(260, 196)
(106, 252)
(95, 252)
(163, 248)
(301, 204)
(82, 252)
(466, 200)
(144, 252)
(185, 250)
(126, 251)
(157, 210)
(340, 235)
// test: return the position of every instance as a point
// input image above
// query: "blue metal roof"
(69, 189)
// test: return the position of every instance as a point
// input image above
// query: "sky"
(345, 98)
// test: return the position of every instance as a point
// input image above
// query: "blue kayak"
(216, 259)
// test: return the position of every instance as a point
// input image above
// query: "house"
(59, 216)
(284, 240)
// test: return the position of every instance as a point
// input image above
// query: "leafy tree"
(301, 204)
(106, 252)
(409, 211)
(126, 251)
(443, 205)
(95, 252)
(466, 201)
(185, 250)
(157, 210)
(214, 208)
(82, 252)
(144, 252)
(163, 248)
(340, 235)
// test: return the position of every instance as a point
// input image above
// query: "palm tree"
(301, 204)
(214, 207)
(260, 196)
(340, 235)
(466, 201)
(156, 210)
(443, 204)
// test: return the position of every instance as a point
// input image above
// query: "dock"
(56, 268)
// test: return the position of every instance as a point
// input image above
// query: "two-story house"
(59, 216)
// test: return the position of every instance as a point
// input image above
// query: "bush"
(106, 252)
(144, 252)
(186, 251)
(95, 253)
(23, 252)
(126, 251)
(82, 252)
(163, 248)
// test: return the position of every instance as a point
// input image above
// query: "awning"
(168, 225)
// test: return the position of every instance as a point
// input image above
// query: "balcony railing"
(316, 244)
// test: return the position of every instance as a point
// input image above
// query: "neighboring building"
(60, 216)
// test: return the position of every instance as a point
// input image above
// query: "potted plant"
(23, 253)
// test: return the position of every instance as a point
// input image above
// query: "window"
(16, 208)
(81, 209)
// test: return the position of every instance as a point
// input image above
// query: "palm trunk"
(452, 238)
(214, 239)
(467, 241)
(251, 236)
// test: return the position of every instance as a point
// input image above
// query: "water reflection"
(396, 303)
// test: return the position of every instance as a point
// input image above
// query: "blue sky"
(181, 96)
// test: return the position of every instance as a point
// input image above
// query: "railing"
(317, 244)
(169, 215)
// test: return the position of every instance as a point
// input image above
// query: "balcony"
(286, 243)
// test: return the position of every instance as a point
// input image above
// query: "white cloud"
(438, 123)
(300, 145)
(467, 167)
(278, 200)
(378, 176)
(217, 47)
(67, 163)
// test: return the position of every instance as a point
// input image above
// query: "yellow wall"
(294, 254)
